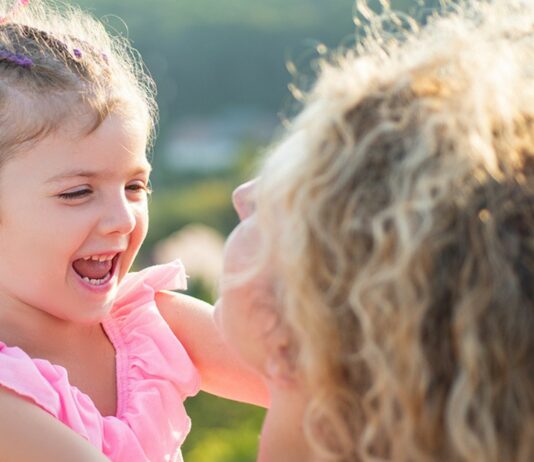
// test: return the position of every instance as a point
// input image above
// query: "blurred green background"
(222, 69)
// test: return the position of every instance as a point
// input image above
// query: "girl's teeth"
(94, 282)
(99, 258)
(97, 282)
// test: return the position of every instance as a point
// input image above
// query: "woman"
(381, 278)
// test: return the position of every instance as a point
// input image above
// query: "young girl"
(80, 339)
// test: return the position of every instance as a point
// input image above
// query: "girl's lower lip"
(98, 289)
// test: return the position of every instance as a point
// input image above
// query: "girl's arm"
(29, 434)
(222, 372)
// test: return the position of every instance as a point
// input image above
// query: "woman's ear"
(280, 365)
(275, 341)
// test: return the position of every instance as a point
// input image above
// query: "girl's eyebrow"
(72, 174)
(145, 169)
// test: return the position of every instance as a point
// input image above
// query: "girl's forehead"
(111, 149)
(113, 135)
(112, 125)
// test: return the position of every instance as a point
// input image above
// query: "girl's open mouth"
(96, 270)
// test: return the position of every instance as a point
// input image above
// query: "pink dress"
(154, 376)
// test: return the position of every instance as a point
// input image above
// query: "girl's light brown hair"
(78, 73)
(398, 215)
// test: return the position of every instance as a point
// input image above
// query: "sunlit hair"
(398, 217)
(79, 73)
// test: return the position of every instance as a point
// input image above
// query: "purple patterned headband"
(15, 58)
(77, 53)
(25, 61)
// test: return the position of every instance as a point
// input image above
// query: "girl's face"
(73, 214)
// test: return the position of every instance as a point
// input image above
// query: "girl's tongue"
(92, 269)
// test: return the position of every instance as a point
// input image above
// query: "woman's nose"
(242, 198)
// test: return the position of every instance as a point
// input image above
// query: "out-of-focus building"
(211, 143)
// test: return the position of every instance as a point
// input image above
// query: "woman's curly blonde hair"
(398, 213)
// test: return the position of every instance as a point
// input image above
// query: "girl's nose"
(118, 216)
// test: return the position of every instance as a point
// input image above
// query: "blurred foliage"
(198, 288)
(206, 54)
(223, 431)
(202, 202)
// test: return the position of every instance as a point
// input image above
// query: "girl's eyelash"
(136, 187)
(140, 187)
(75, 194)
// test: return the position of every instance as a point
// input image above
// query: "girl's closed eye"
(76, 193)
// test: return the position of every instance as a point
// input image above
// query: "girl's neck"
(83, 350)
(34, 330)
